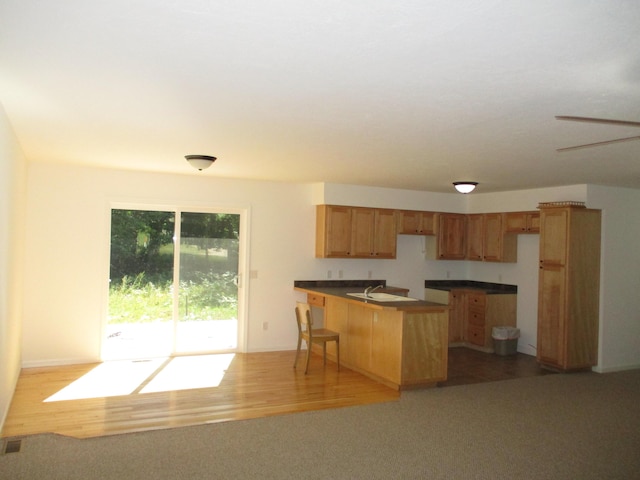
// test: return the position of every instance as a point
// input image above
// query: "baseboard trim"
(5, 412)
(59, 362)
(622, 368)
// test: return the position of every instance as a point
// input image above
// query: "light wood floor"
(250, 386)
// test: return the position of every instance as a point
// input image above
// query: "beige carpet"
(576, 426)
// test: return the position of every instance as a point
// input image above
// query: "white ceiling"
(408, 94)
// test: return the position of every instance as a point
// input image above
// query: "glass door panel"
(140, 314)
(208, 290)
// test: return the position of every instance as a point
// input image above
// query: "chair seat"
(322, 334)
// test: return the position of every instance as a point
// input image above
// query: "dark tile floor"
(471, 366)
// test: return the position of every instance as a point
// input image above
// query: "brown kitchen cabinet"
(413, 222)
(522, 222)
(385, 234)
(473, 313)
(333, 231)
(568, 299)
(355, 232)
(486, 240)
(457, 312)
(451, 236)
(400, 348)
(485, 311)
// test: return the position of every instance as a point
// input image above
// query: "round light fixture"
(200, 161)
(465, 187)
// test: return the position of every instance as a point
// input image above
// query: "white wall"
(67, 262)
(12, 214)
(67, 266)
(619, 277)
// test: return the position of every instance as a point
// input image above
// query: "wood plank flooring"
(252, 385)
(467, 366)
(76, 400)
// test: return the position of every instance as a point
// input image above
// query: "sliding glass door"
(173, 286)
(208, 282)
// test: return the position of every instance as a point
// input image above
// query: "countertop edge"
(409, 307)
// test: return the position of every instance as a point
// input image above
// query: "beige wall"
(67, 265)
(12, 214)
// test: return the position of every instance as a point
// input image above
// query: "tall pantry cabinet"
(569, 287)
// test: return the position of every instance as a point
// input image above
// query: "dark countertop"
(486, 287)
(357, 284)
(340, 288)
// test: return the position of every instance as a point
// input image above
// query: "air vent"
(12, 446)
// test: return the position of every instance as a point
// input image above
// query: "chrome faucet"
(370, 289)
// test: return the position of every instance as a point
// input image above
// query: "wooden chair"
(310, 335)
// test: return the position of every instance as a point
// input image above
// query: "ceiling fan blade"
(597, 144)
(598, 120)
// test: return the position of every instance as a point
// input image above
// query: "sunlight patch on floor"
(132, 377)
(186, 373)
(109, 379)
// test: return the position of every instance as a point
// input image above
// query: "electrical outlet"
(328, 273)
(448, 274)
(500, 278)
(265, 326)
(370, 275)
(339, 273)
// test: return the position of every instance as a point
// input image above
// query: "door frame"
(243, 257)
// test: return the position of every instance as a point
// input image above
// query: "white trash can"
(505, 340)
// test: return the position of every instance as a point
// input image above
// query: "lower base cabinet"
(474, 314)
(398, 348)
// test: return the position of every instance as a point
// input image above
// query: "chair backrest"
(303, 316)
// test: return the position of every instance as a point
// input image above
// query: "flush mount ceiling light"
(200, 161)
(465, 187)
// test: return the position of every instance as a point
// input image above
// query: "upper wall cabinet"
(451, 236)
(412, 222)
(522, 222)
(486, 240)
(355, 232)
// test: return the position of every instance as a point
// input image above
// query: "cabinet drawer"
(475, 335)
(477, 299)
(317, 300)
(476, 316)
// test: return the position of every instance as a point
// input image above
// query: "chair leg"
(306, 369)
(338, 352)
(295, 361)
(324, 352)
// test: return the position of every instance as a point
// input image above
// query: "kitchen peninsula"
(401, 343)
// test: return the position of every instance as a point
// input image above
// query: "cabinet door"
(413, 222)
(362, 232)
(551, 315)
(333, 231)
(492, 240)
(533, 222)
(451, 236)
(475, 235)
(553, 241)
(456, 316)
(522, 222)
(428, 223)
(409, 222)
(385, 235)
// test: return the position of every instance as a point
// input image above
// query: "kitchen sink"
(383, 297)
